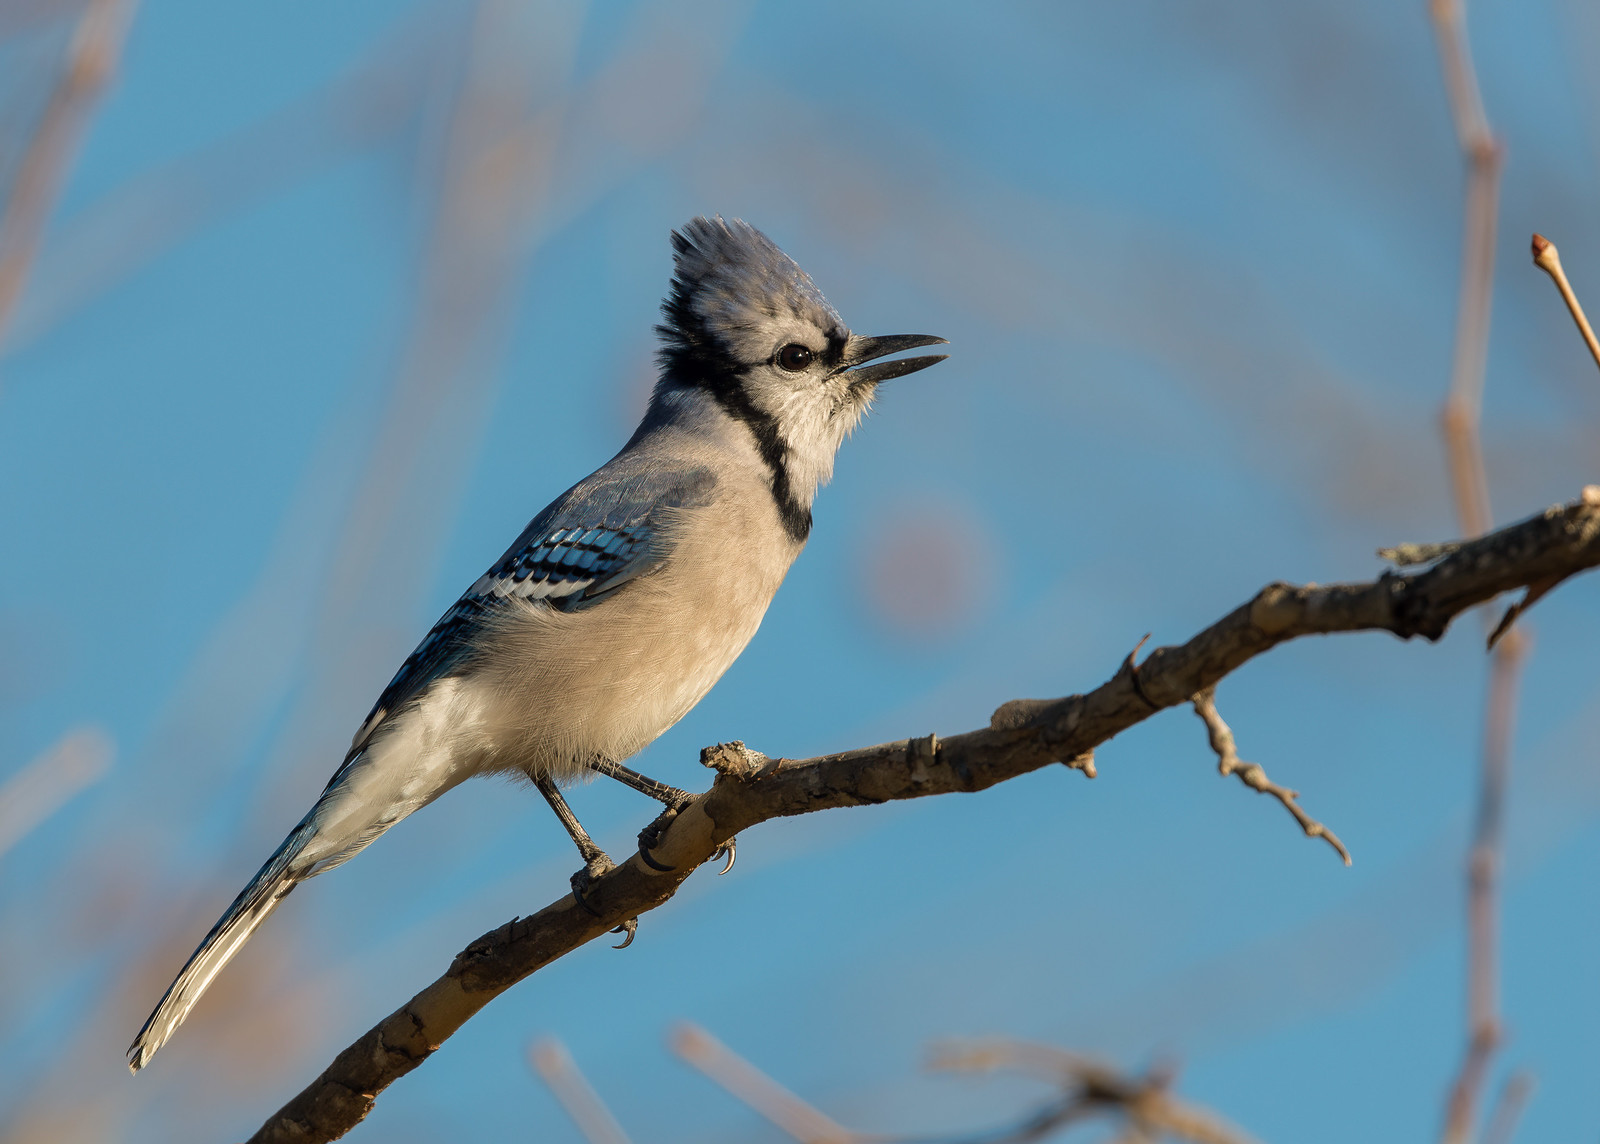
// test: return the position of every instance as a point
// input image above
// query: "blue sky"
(336, 298)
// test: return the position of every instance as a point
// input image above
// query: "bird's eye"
(794, 357)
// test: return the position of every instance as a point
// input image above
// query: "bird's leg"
(674, 799)
(591, 854)
(595, 860)
(644, 784)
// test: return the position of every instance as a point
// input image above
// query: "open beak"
(860, 350)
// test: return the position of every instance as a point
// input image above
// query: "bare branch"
(1460, 76)
(1530, 596)
(1464, 449)
(77, 760)
(1091, 1087)
(1483, 907)
(1044, 1062)
(1024, 735)
(555, 1066)
(1461, 1106)
(91, 59)
(1483, 155)
(1547, 258)
(754, 1088)
(1514, 1096)
(1252, 774)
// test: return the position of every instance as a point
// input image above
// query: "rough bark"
(1024, 735)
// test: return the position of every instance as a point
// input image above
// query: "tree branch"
(1469, 480)
(1089, 1088)
(554, 1064)
(1253, 775)
(755, 1089)
(1024, 735)
(1547, 258)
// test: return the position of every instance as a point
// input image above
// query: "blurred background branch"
(42, 787)
(1145, 1105)
(1512, 1098)
(753, 1088)
(1142, 1107)
(330, 299)
(556, 1068)
(1461, 420)
(90, 60)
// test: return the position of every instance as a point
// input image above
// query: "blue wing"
(595, 537)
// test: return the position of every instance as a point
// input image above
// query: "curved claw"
(731, 849)
(583, 879)
(651, 835)
(577, 894)
(629, 927)
(644, 853)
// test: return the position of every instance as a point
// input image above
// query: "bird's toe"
(650, 838)
(583, 881)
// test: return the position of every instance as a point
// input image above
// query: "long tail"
(269, 887)
(384, 779)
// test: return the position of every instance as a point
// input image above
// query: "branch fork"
(1024, 735)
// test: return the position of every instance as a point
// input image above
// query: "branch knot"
(737, 761)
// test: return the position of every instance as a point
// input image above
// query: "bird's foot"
(597, 866)
(650, 837)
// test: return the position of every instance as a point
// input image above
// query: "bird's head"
(746, 325)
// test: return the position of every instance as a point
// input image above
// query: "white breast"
(561, 688)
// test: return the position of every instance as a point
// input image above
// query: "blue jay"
(625, 600)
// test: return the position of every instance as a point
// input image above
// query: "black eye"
(794, 357)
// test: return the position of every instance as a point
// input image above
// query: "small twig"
(1535, 591)
(1130, 669)
(1252, 774)
(755, 1089)
(1173, 1117)
(1089, 1086)
(1548, 259)
(555, 1065)
(1508, 1106)
(1531, 595)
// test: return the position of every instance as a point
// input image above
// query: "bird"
(623, 602)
